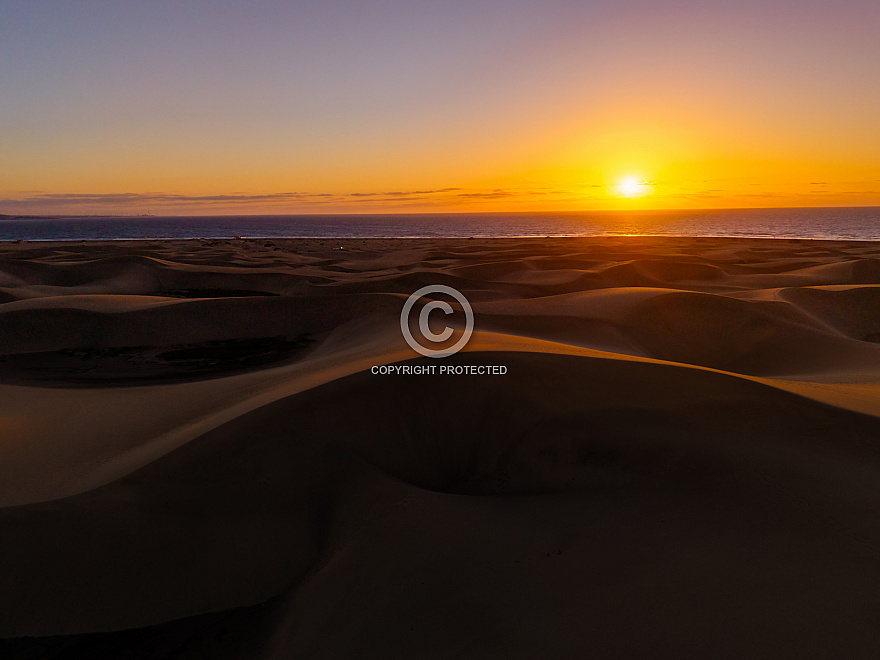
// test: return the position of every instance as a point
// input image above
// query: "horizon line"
(62, 216)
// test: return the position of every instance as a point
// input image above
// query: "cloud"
(156, 201)
(153, 197)
(425, 192)
(401, 193)
(495, 194)
(129, 203)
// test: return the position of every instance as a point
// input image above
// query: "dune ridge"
(682, 460)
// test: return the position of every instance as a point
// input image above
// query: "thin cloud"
(141, 198)
(424, 192)
(495, 194)
(404, 193)
(130, 202)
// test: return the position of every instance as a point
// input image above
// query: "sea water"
(861, 223)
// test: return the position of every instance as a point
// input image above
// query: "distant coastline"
(4, 216)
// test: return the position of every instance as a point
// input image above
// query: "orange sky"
(424, 106)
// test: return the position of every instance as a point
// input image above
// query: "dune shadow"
(149, 365)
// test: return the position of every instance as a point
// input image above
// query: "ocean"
(861, 223)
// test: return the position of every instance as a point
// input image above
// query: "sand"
(682, 460)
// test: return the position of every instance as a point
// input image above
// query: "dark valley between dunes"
(680, 459)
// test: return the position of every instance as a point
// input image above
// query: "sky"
(343, 106)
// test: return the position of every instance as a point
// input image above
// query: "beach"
(660, 447)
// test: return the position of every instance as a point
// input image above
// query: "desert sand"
(682, 460)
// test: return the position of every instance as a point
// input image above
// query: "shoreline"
(69, 241)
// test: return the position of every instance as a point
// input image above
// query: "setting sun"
(631, 187)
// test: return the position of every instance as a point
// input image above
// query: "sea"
(861, 223)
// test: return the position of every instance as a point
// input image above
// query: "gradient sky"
(190, 106)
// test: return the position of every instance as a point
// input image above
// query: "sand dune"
(683, 459)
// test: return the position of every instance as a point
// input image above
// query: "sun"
(632, 187)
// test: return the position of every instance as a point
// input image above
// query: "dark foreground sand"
(683, 460)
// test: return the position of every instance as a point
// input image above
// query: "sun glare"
(631, 187)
